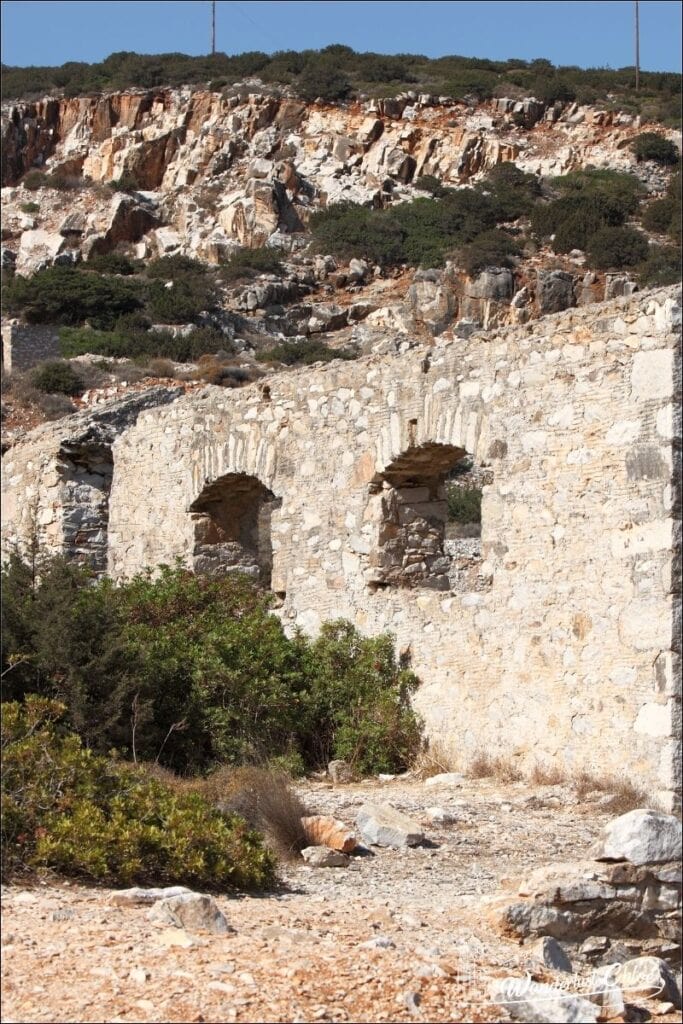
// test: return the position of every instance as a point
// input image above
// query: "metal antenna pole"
(637, 46)
(213, 28)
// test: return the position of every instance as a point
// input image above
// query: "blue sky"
(583, 32)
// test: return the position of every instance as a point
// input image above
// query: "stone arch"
(232, 527)
(408, 509)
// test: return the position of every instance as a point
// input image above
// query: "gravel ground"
(299, 954)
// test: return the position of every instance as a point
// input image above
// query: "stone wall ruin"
(560, 644)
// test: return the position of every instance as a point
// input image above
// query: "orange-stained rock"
(324, 830)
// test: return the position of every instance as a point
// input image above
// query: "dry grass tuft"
(626, 796)
(433, 759)
(547, 775)
(484, 766)
(266, 800)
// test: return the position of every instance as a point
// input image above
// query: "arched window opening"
(232, 527)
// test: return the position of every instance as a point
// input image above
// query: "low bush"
(267, 802)
(67, 809)
(303, 353)
(30, 207)
(357, 702)
(323, 81)
(652, 146)
(33, 180)
(194, 672)
(431, 184)
(247, 263)
(57, 377)
(588, 201)
(464, 504)
(112, 263)
(490, 249)
(662, 267)
(512, 191)
(63, 295)
(616, 247)
(136, 343)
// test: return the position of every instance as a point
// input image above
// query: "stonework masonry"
(24, 345)
(560, 644)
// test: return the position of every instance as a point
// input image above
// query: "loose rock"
(191, 910)
(383, 825)
(324, 857)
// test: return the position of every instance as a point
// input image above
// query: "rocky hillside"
(207, 175)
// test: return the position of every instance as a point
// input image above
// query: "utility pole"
(213, 29)
(637, 46)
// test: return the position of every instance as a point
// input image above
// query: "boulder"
(340, 771)
(497, 283)
(535, 1003)
(324, 830)
(555, 291)
(324, 857)
(641, 837)
(138, 897)
(550, 953)
(432, 304)
(38, 249)
(383, 825)
(190, 910)
(647, 976)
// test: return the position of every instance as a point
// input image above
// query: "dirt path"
(300, 954)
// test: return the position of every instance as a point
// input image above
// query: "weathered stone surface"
(530, 1001)
(190, 910)
(555, 291)
(445, 779)
(382, 825)
(340, 771)
(641, 837)
(324, 857)
(550, 953)
(647, 976)
(324, 830)
(138, 897)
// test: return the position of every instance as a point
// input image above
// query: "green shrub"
(169, 268)
(490, 249)
(57, 377)
(78, 813)
(512, 191)
(623, 191)
(464, 504)
(63, 295)
(112, 263)
(194, 672)
(324, 81)
(139, 344)
(616, 247)
(662, 267)
(30, 207)
(357, 704)
(589, 200)
(247, 263)
(303, 353)
(430, 183)
(652, 146)
(420, 233)
(33, 180)
(126, 183)
(348, 230)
